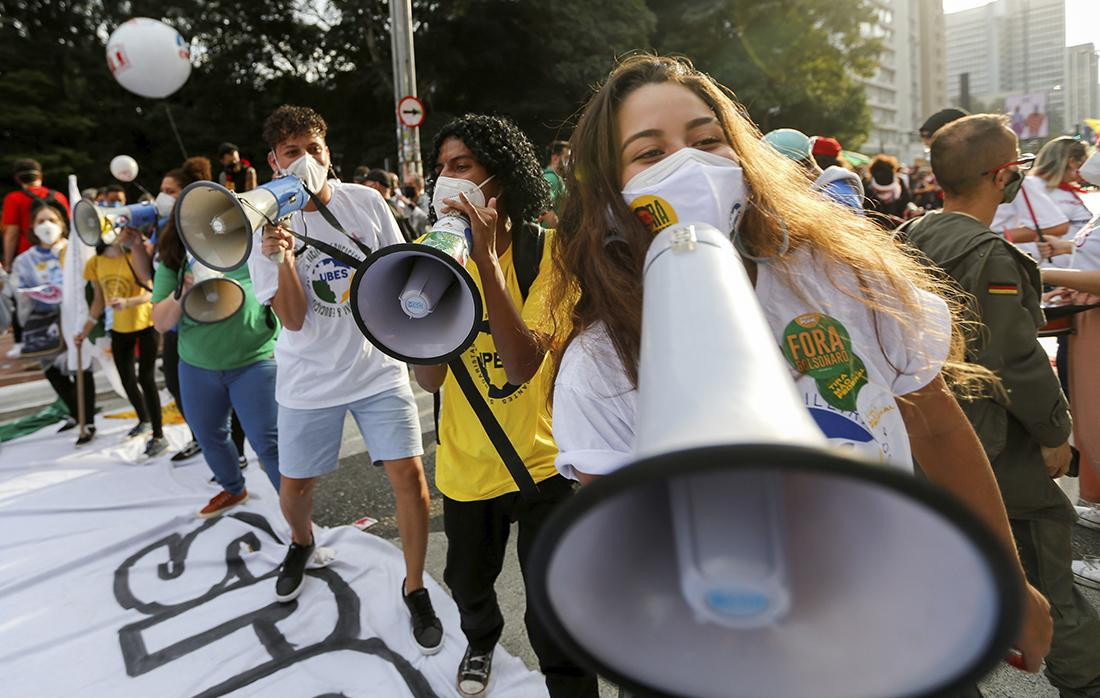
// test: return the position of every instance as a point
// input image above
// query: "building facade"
(1082, 90)
(1008, 48)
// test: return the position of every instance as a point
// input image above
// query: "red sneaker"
(222, 502)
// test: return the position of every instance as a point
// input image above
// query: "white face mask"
(689, 186)
(451, 187)
(306, 168)
(47, 233)
(164, 203)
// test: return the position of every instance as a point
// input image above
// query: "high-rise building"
(1006, 48)
(908, 78)
(1081, 88)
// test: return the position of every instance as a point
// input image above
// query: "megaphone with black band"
(416, 301)
(216, 224)
(213, 297)
(738, 555)
(95, 223)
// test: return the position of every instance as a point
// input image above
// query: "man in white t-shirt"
(1031, 210)
(325, 366)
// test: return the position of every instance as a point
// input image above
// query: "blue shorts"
(309, 440)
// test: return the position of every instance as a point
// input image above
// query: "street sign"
(410, 112)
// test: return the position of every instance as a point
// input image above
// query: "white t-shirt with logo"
(329, 362)
(849, 364)
(1018, 215)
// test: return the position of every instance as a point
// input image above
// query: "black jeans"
(65, 387)
(477, 536)
(146, 400)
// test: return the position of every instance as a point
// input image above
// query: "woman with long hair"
(223, 366)
(662, 128)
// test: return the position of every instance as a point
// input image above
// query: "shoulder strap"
(503, 446)
(527, 250)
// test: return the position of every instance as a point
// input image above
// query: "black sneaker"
(140, 429)
(427, 631)
(89, 434)
(70, 423)
(191, 450)
(291, 573)
(473, 672)
(156, 446)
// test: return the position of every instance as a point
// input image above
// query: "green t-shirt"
(240, 340)
(557, 187)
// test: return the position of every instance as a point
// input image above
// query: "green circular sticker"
(818, 346)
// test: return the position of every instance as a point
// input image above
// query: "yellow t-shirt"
(117, 280)
(467, 467)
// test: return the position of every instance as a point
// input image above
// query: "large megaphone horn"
(213, 296)
(216, 225)
(738, 556)
(94, 223)
(416, 301)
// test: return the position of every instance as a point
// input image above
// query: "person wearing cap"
(237, 175)
(410, 219)
(839, 184)
(939, 120)
(16, 217)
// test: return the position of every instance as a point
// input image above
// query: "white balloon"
(148, 57)
(124, 168)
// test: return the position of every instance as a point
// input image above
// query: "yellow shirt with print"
(468, 467)
(116, 277)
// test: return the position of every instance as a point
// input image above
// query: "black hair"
(227, 148)
(556, 148)
(288, 121)
(110, 188)
(503, 150)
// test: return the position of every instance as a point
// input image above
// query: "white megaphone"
(213, 296)
(738, 556)
(94, 223)
(216, 225)
(416, 301)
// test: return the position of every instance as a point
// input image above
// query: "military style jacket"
(1003, 291)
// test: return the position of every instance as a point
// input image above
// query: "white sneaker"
(1088, 516)
(1086, 572)
(15, 351)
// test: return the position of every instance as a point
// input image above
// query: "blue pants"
(209, 397)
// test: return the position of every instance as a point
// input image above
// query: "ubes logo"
(654, 212)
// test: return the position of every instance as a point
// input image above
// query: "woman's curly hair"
(505, 152)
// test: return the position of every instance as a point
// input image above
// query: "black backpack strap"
(435, 415)
(527, 250)
(503, 446)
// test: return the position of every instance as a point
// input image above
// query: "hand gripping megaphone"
(94, 223)
(738, 556)
(416, 301)
(213, 296)
(216, 225)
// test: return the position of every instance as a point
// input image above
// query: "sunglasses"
(1023, 165)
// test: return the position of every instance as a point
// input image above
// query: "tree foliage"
(790, 61)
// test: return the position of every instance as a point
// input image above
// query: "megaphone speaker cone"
(213, 225)
(213, 300)
(874, 583)
(87, 222)
(416, 303)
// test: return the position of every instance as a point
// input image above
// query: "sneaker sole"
(479, 692)
(221, 511)
(292, 595)
(429, 651)
(1086, 582)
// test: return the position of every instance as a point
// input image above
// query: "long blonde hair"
(1053, 159)
(600, 282)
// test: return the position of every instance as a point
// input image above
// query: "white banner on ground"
(110, 585)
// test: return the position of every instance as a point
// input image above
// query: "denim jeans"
(210, 396)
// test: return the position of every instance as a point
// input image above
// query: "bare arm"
(430, 378)
(289, 302)
(94, 313)
(951, 455)
(11, 243)
(1028, 234)
(143, 263)
(1087, 281)
(518, 347)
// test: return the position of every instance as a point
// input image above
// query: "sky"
(1082, 18)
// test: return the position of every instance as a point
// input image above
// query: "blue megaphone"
(103, 223)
